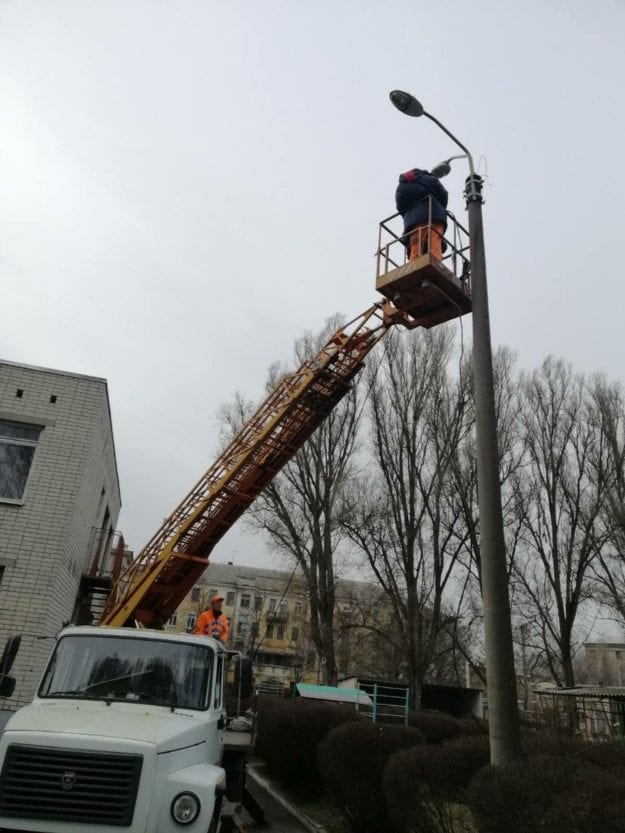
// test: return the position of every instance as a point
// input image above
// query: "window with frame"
(245, 600)
(282, 607)
(196, 594)
(173, 620)
(241, 628)
(18, 442)
(230, 598)
(281, 632)
(191, 620)
(295, 634)
(297, 609)
(258, 602)
(254, 630)
(272, 605)
(269, 633)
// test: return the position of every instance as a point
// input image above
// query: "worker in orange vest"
(213, 621)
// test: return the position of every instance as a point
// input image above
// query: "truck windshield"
(130, 669)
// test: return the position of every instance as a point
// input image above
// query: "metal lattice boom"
(157, 580)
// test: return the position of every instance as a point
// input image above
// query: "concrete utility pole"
(503, 714)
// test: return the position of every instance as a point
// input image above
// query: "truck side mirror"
(244, 678)
(7, 685)
(8, 655)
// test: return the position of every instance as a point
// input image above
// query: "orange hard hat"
(217, 598)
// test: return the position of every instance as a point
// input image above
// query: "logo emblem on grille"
(68, 779)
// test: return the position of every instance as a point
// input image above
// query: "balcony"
(276, 617)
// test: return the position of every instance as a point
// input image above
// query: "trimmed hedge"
(352, 760)
(288, 734)
(425, 787)
(558, 795)
(436, 726)
(610, 756)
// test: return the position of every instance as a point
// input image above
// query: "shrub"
(546, 744)
(472, 726)
(288, 734)
(436, 726)
(555, 794)
(425, 787)
(607, 756)
(352, 760)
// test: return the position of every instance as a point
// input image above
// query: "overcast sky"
(188, 185)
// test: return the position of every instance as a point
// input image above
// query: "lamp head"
(442, 169)
(406, 103)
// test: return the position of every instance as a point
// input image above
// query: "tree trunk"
(416, 689)
(329, 669)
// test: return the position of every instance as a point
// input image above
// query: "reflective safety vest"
(209, 625)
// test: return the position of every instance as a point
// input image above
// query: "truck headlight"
(185, 808)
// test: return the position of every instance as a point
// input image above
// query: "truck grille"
(39, 782)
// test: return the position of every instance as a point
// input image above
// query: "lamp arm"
(453, 138)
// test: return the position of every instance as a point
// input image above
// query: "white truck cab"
(126, 733)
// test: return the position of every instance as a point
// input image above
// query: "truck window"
(132, 669)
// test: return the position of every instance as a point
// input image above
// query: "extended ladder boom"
(158, 579)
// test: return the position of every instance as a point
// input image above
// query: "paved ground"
(279, 819)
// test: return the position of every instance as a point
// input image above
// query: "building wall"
(46, 538)
(603, 664)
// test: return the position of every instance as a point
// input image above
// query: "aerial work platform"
(428, 290)
(419, 293)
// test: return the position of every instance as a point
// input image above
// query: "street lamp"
(500, 672)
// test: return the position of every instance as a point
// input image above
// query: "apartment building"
(267, 613)
(269, 621)
(59, 503)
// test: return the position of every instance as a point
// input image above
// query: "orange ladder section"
(158, 579)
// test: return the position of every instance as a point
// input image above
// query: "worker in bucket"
(422, 201)
(213, 621)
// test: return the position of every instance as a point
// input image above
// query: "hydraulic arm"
(158, 579)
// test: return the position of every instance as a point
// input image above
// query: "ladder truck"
(128, 730)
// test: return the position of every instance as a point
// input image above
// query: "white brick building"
(59, 503)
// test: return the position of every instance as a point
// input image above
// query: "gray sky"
(187, 185)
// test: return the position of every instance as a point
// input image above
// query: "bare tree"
(610, 570)
(367, 636)
(403, 516)
(300, 507)
(559, 505)
(463, 467)
(463, 470)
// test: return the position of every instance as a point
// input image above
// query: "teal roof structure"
(332, 694)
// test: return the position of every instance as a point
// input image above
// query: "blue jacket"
(411, 197)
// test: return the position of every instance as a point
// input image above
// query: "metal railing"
(394, 245)
(388, 702)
